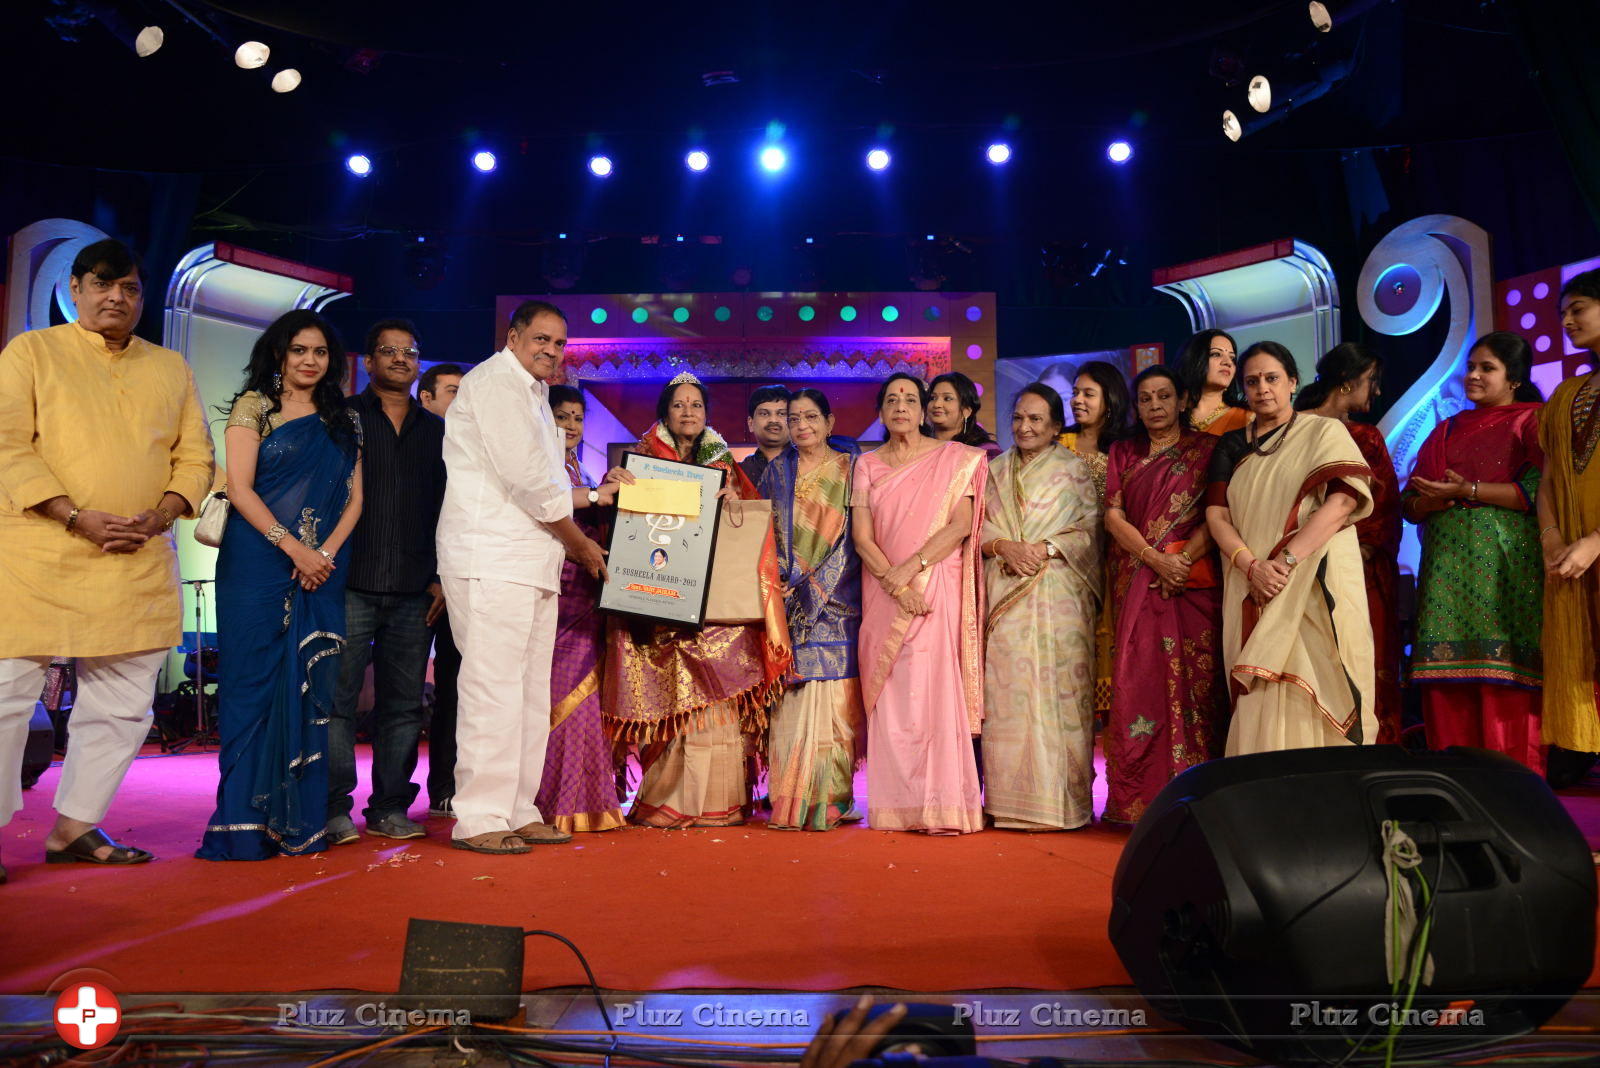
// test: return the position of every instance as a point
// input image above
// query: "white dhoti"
(110, 721)
(507, 636)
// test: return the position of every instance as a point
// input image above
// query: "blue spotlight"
(999, 153)
(1119, 152)
(484, 160)
(358, 165)
(697, 161)
(774, 159)
(878, 159)
(600, 166)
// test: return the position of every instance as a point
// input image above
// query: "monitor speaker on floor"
(453, 967)
(1250, 902)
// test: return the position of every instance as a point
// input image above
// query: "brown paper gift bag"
(743, 528)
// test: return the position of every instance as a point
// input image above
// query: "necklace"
(1216, 414)
(1255, 437)
(1163, 444)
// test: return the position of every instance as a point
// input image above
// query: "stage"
(731, 908)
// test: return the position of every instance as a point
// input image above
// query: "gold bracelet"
(1235, 554)
(72, 519)
(1548, 529)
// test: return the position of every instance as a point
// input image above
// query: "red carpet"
(741, 907)
(652, 910)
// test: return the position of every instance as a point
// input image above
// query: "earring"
(1344, 389)
(277, 382)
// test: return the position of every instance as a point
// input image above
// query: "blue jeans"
(389, 631)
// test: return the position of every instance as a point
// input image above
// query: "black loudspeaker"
(449, 968)
(1249, 904)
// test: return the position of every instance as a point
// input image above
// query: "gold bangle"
(1548, 529)
(1235, 554)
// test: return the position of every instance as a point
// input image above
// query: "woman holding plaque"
(917, 509)
(689, 698)
(1041, 535)
(816, 738)
(578, 791)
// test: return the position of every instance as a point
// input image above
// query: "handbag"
(744, 530)
(213, 521)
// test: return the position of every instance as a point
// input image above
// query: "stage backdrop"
(623, 348)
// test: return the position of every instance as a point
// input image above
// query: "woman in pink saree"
(917, 510)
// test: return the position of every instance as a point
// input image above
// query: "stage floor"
(743, 908)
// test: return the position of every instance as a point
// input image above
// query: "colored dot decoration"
(680, 315)
(890, 313)
(722, 314)
(1513, 297)
(640, 315)
(848, 313)
(597, 316)
(974, 352)
(764, 313)
(807, 313)
(974, 313)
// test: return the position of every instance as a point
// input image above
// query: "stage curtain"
(1556, 37)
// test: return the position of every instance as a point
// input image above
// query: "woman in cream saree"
(1285, 495)
(1041, 533)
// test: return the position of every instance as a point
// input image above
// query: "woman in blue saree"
(816, 737)
(294, 483)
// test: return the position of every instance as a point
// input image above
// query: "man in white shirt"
(504, 529)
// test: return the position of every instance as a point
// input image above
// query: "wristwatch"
(1288, 558)
(1050, 550)
(594, 496)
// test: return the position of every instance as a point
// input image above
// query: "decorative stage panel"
(1530, 305)
(639, 341)
(1281, 291)
(39, 271)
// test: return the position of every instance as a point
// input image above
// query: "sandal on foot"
(83, 849)
(542, 834)
(492, 842)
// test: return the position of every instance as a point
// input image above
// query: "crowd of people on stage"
(1202, 563)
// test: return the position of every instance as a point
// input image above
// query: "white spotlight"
(484, 160)
(359, 165)
(1320, 17)
(252, 54)
(600, 166)
(697, 161)
(1230, 126)
(286, 80)
(1259, 93)
(774, 159)
(149, 41)
(999, 153)
(878, 159)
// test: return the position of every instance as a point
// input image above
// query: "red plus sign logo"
(88, 1015)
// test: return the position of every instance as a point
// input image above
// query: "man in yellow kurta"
(103, 443)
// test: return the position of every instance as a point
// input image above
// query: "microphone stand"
(203, 734)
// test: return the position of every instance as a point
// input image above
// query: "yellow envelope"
(661, 496)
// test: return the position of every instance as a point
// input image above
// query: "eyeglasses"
(391, 351)
(805, 417)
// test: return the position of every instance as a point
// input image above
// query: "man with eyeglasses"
(392, 591)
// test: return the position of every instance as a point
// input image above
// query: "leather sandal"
(542, 834)
(83, 850)
(492, 842)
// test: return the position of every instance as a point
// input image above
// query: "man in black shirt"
(392, 586)
(769, 426)
(436, 389)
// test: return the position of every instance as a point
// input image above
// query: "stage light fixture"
(1259, 93)
(774, 159)
(484, 160)
(878, 159)
(600, 166)
(286, 80)
(1330, 13)
(149, 41)
(697, 161)
(999, 153)
(359, 165)
(1231, 128)
(1119, 152)
(252, 54)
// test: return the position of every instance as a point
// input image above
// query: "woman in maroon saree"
(579, 788)
(1169, 704)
